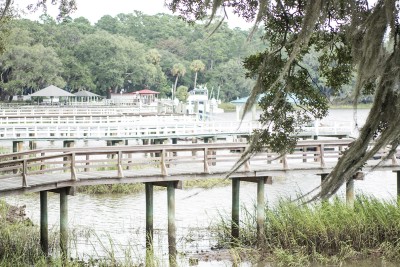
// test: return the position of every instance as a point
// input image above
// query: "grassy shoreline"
(327, 233)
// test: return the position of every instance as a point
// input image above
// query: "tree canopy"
(355, 40)
(129, 51)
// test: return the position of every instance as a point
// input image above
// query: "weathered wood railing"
(121, 130)
(64, 119)
(32, 169)
(66, 110)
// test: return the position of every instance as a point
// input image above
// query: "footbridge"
(61, 170)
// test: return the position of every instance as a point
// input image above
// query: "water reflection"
(102, 222)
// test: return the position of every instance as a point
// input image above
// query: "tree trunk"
(174, 91)
(195, 80)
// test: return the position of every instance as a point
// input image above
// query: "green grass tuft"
(328, 232)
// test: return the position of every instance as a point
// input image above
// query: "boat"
(198, 102)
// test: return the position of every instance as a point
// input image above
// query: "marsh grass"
(126, 189)
(328, 232)
(111, 189)
(20, 244)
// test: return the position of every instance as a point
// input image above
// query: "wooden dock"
(60, 170)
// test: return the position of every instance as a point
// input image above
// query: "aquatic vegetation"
(139, 187)
(324, 232)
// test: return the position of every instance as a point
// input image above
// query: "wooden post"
(323, 177)
(44, 226)
(149, 220)
(350, 192)
(64, 223)
(260, 211)
(235, 210)
(174, 142)
(171, 224)
(194, 141)
(66, 144)
(398, 186)
(18, 146)
(32, 143)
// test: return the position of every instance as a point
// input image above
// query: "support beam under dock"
(235, 209)
(44, 225)
(171, 224)
(64, 222)
(149, 220)
(261, 211)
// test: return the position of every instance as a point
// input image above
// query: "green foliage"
(326, 232)
(182, 93)
(111, 189)
(130, 51)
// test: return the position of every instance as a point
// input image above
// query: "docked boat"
(198, 102)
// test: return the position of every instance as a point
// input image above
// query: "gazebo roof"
(85, 93)
(146, 92)
(50, 91)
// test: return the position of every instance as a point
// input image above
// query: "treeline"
(129, 51)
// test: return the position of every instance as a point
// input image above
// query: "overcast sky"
(95, 9)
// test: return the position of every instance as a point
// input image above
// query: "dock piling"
(260, 211)
(64, 222)
(235, 209)
(149, 218)
(171, 223)
(44, 226)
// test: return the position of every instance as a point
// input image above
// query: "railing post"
(304, 149)
(206, 167)
(322, 155)
(73, 169)
(87, 158)
(42, 166)
(120, 173)
(163, 165)
(128, 167)
(24, 173)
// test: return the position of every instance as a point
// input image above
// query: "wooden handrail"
(82, 160)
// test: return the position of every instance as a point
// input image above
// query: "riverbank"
(318, 234)
(327, 233)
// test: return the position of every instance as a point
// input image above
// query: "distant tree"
(30, 67)
(182, 93)
(196, 66)
(177, 71)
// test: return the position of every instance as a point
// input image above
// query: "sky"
(95, 9)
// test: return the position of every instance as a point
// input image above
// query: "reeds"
(328, 231)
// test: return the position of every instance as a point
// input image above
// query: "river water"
(105, 223)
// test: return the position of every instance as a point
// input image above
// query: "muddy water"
(116, 223)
